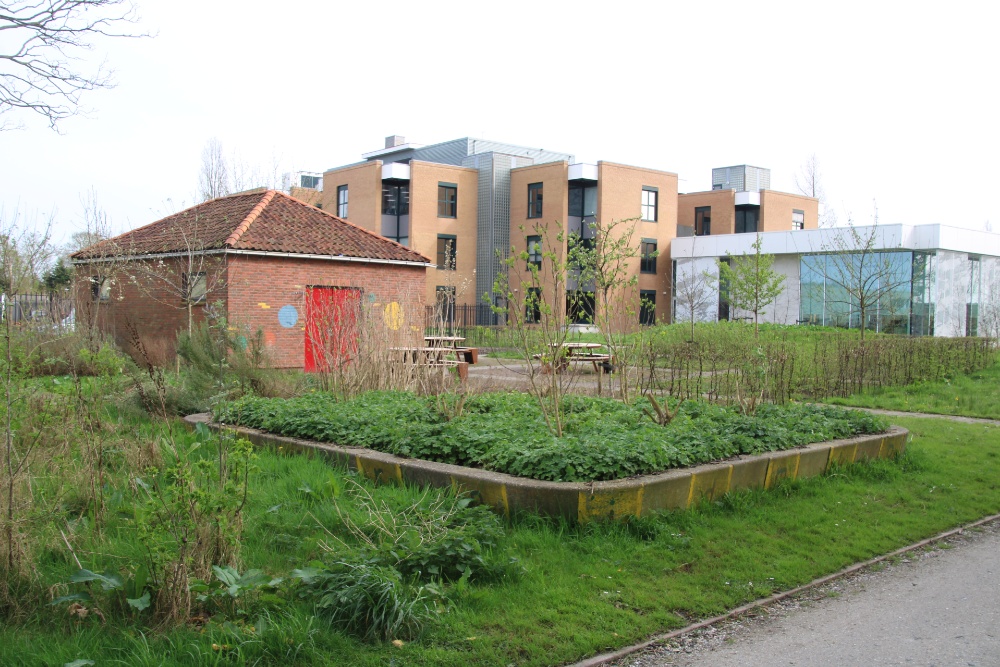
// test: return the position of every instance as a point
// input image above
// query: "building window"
(447, 200)
(798, 219)
(580, 307)
(746, 219)
(311, 182)
(533, 305)
(342, 201)
(195, 286)
(647, 307)
(534, 246)
(647, 260)
(649, 195)
(703, 221)
(100, 288)
(446, 252)
(396, 211)
(724, 312)
(444, 304)
(535, 200)
(972, 305)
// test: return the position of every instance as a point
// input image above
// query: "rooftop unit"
(742, 178)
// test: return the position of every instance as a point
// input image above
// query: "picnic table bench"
(575, 353)
(434, 356)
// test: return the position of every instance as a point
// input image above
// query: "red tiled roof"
(262, 220)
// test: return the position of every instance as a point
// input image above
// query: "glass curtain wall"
(897, 288)
(582, 216)
(396, 211)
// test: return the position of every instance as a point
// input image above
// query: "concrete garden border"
(635, 496)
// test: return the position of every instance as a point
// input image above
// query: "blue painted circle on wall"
(288, 316)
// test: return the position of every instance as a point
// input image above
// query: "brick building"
(465, 203)
(271, 262)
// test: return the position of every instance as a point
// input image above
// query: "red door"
(331, 327)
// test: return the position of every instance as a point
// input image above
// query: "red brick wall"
(147, 295)
(260, 286)
(252, 292)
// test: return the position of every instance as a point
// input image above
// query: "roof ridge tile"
(247, 221)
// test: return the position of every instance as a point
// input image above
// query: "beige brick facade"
(722, 203)
(776, 210)
(364, 193)
(553, 177)
(425, 225)
(619, 197)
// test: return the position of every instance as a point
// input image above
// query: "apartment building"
(559, 196)
(742, 202)
(466, 202)
(448, 201)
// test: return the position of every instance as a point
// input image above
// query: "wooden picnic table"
(574, 348)
(443, 341)
(578, 353)
(434, 356)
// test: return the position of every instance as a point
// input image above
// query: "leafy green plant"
(602, 438)
(190, 514)
(232, 593)
(369, 600)
(439, 536)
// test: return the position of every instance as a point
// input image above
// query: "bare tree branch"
(42, 47)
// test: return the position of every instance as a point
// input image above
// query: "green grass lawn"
(583, 590)
(974, 395)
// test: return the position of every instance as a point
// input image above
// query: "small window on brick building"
(342, 201)
(100, 288)
(798, 219)
(647, 307)
(447, 200)
(195, 286)
(649, 195)
(647, 259)
(535, 200)
(703, 221)
(446, 252)
(534, 245)
(533, 305)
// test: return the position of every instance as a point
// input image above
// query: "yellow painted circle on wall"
(393, 315)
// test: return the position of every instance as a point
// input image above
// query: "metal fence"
(50, 308)
(453, 318)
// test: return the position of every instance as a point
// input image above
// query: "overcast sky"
(898, 101)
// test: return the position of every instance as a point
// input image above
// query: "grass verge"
(973, 395)
(585, 589)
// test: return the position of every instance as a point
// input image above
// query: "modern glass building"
(894, 291)
(923, 280)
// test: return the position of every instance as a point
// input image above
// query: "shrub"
(369, 600)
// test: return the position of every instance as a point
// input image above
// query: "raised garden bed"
(601, 437)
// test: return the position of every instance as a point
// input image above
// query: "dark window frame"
(703, 224)
(647, 256)
(647, 307)
(533, 305)
(447, 261)
(447, 200)
(342, 200)
(534, 246)
(650, 194)
(535, 199)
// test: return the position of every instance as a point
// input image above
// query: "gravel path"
(939, 607)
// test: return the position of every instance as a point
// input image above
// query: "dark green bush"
(603, 439)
